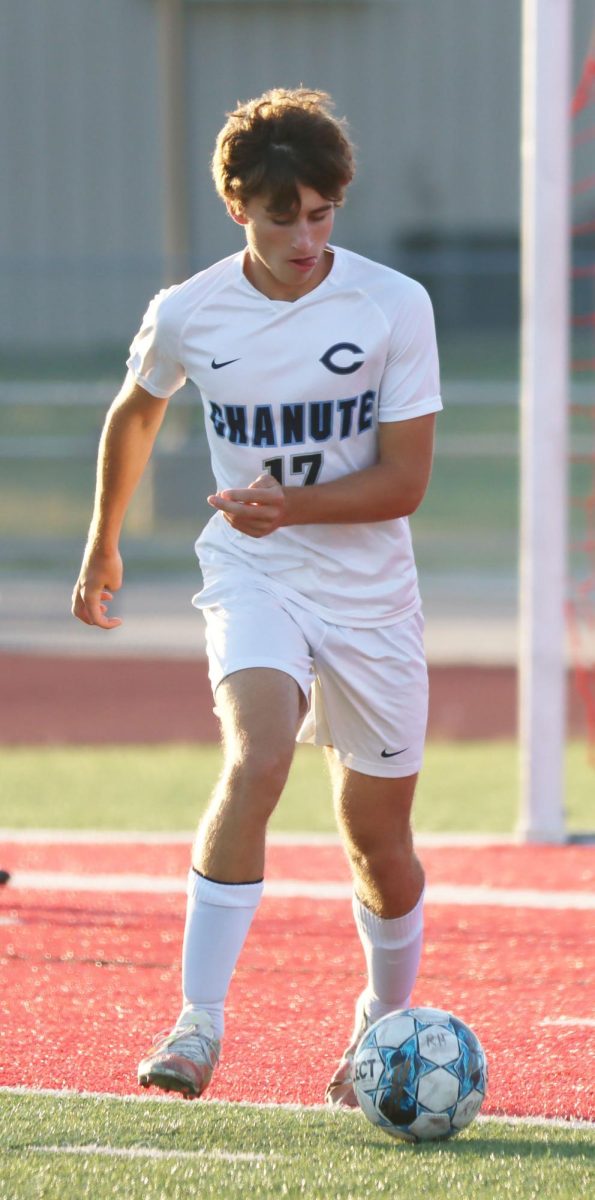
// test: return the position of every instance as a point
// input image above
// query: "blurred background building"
(108, 116)
(110, 112)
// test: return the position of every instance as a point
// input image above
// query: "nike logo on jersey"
(217, 366)
(393, 753)
(328, 358)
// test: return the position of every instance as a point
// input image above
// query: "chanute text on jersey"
(293, 424)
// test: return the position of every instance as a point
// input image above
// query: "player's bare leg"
(374, 819)
(373, 815)
(260, 711)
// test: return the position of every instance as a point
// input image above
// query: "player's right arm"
(127, 439)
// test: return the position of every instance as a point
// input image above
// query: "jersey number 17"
(307, 465)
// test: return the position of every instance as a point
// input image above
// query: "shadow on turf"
(520, 1147)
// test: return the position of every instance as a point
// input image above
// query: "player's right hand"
(100, 576)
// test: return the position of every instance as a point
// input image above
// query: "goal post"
(545, 339)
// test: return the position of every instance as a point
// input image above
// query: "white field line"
(438, 893)
(153, 1152)
(136, 1098)
(540, 1122)
(570, 1022)
(185, 837)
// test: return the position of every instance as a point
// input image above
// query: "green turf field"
(470, 786)
(310, 1155)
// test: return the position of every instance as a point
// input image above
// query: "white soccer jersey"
(298, 388)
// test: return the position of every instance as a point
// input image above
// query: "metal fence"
(48, 446)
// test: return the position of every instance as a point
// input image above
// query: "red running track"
(88, 978)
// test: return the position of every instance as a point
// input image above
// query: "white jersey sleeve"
(411, 381)
(154, 358)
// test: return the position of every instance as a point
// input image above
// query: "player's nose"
(302, 241)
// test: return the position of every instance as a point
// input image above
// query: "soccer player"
(319, 378)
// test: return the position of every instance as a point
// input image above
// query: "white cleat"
(340, 1092)
(183, 1060)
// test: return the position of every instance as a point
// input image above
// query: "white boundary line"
(133, 1098)
(540, 1122)
(185, 837)
(570, 1022)
(154, 1153)
(437, 893)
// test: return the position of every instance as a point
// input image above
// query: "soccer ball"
(420, 1073)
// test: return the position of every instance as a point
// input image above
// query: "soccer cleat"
(340, 1092)
(183, 1060)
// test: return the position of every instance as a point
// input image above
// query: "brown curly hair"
(282, 138)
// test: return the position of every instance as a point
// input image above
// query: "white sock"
(393, 949)
(218, 917)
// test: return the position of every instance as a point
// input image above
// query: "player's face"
(286, 251)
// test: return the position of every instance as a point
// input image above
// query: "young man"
(319, 377)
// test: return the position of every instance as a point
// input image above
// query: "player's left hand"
(256, 510)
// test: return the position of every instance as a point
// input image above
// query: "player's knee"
(383, 859)
(261, 772)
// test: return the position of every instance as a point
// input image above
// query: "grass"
(468, 521)
(307, 1154)
(464, 786)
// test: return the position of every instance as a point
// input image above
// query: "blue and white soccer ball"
(419, 1074)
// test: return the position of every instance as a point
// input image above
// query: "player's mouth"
(304, 264)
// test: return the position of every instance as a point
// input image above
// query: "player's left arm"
(394, 486)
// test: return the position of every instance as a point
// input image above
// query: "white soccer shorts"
(367, 689)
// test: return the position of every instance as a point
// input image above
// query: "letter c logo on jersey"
(340, 348)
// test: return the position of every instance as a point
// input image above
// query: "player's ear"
(236, 212)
